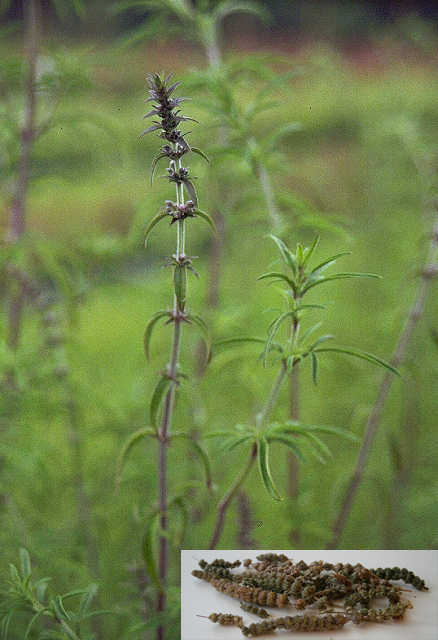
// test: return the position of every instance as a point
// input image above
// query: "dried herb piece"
(251, 608)
(250, 594)
(227, 619)
(401, 574)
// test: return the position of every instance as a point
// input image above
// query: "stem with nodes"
(430, 269)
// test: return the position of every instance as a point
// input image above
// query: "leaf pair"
(189, 318)
(198, 213)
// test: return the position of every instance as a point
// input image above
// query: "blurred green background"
(359, 171)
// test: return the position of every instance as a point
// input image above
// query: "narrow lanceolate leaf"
(337, 276)
(329, 261)
(148, 551)
(58, 607)
(273, 331)
(208, 219)
(154, 127)
(157, 398)
(199, 322)
(309, 251)
(149, 328)
(276, 275)
(152, 223)
(191, 191)
(290, 442)
(180, 502)
(358, 353)
(232, 342)
(133, 439)
(202, 456)
(29, 626)
(200, 153)
(235, 441)
(154, 164)
(87, 598)
(314, 368)
(286, 253)
(265, 471)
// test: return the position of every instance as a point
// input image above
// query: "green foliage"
(29, 601)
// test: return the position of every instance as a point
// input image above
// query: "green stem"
(165, 427)
(294, 414)
(273, 395)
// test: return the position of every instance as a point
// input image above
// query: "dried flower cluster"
(274, 578)
(257, 611)
(250, 594)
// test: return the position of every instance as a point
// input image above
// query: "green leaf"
(227, 7)
(57, 605)
(13, 572)
(157, 398)
(86, 599)
(199, 322)
(278, 276)
(25, 564)
(358, 353)
(152, 224)
(148, 550)
(286, 253)
(208, 219)
(309, 251)
(336, 276)
(191, 191)
(275, 325)
(149, 328)
(289, 442)
(231, 342)
(200, 153)
(329, 261)
(264, 469)
(202, 456)
(154, 164)
(30, 625)
(235, 441)
(321, 340)
(133, 439)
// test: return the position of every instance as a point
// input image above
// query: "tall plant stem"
(17, 222)
(294, 414)
(398, 356)
(166, 423)
(241, 477)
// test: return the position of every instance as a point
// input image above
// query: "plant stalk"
(397, 359)
(166, 422)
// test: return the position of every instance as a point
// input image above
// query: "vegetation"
(359, 172)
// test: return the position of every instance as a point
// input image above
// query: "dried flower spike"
(257, 611)
(227, 619)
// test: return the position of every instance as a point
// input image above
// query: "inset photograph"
(352, 595)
